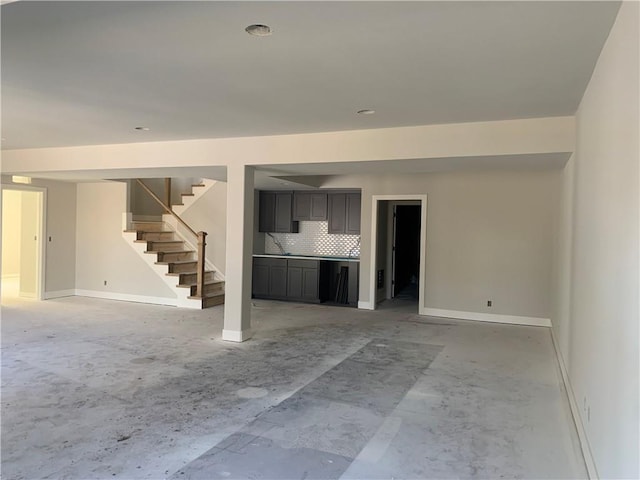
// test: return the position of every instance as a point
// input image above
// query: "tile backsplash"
(313, 239)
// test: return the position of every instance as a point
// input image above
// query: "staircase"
(173, 258)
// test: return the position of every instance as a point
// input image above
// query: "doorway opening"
(22, 242)
(405, 252)
(398, 263)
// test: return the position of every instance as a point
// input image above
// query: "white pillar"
(237, 303)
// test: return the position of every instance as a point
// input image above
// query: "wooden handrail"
(166, 207)
(201, 236)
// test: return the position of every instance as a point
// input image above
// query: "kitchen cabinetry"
(275, 212)
(309, 206)
(282, 279)
(344, 213)
(303, 280)
(270, 277)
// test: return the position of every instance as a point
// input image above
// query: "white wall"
(490, 236)
(11, 225)
(102, 253)
(507, 137)
(142, 204)
(60, 241)
(384, 233)
(598, 334)
(209, 214)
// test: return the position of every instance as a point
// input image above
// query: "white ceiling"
(81, 73)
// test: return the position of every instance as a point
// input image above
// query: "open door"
(22, 243)
(406, 250)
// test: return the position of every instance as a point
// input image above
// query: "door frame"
(42, 221)
(376, 199)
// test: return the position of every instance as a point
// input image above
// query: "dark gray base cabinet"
(270, 277)
(294, 280)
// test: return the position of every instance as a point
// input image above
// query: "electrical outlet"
(489, 302)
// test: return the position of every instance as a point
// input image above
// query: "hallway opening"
(22, 243)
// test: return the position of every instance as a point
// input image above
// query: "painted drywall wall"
(381, 253)
(102, 253)
(60, 241)
(142, 204)
(538, 135)
(11, 227)
(599, 343)
(490, 236)
(561, 307)
(209, 214)
(29, 243)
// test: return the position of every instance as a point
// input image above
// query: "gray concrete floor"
(100, 389)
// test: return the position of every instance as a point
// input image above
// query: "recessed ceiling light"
(366, 111)
(258, 30)
(143, 129)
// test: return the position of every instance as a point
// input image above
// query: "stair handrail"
(201, 236)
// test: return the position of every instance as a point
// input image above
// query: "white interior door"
(22, 242)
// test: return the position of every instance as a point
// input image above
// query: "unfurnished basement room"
(296, 240)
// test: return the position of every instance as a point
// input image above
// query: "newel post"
(202, 236)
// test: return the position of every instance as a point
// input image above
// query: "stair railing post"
(202, 236)
(167, 191)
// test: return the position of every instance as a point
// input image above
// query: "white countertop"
(309, 257)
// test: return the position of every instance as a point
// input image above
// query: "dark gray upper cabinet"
(267, 212)
(309, 206)
(275, 213)
(344, 213)
(353, 214)
(337, 213)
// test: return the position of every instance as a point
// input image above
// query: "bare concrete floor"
(100, 389)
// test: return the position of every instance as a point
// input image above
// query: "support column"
(237, 308)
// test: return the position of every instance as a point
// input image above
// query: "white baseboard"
(127, 297)
(236, 335)
(487, 317)
(366, 306)
(59, 294)
(575, 412)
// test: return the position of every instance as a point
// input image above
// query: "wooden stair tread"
(177, 274)
(188, 194)
(158, 241)
(208, 282)
(198, 185)
(161, 241)
(176, 262)
(169, 251)
(207, 295)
